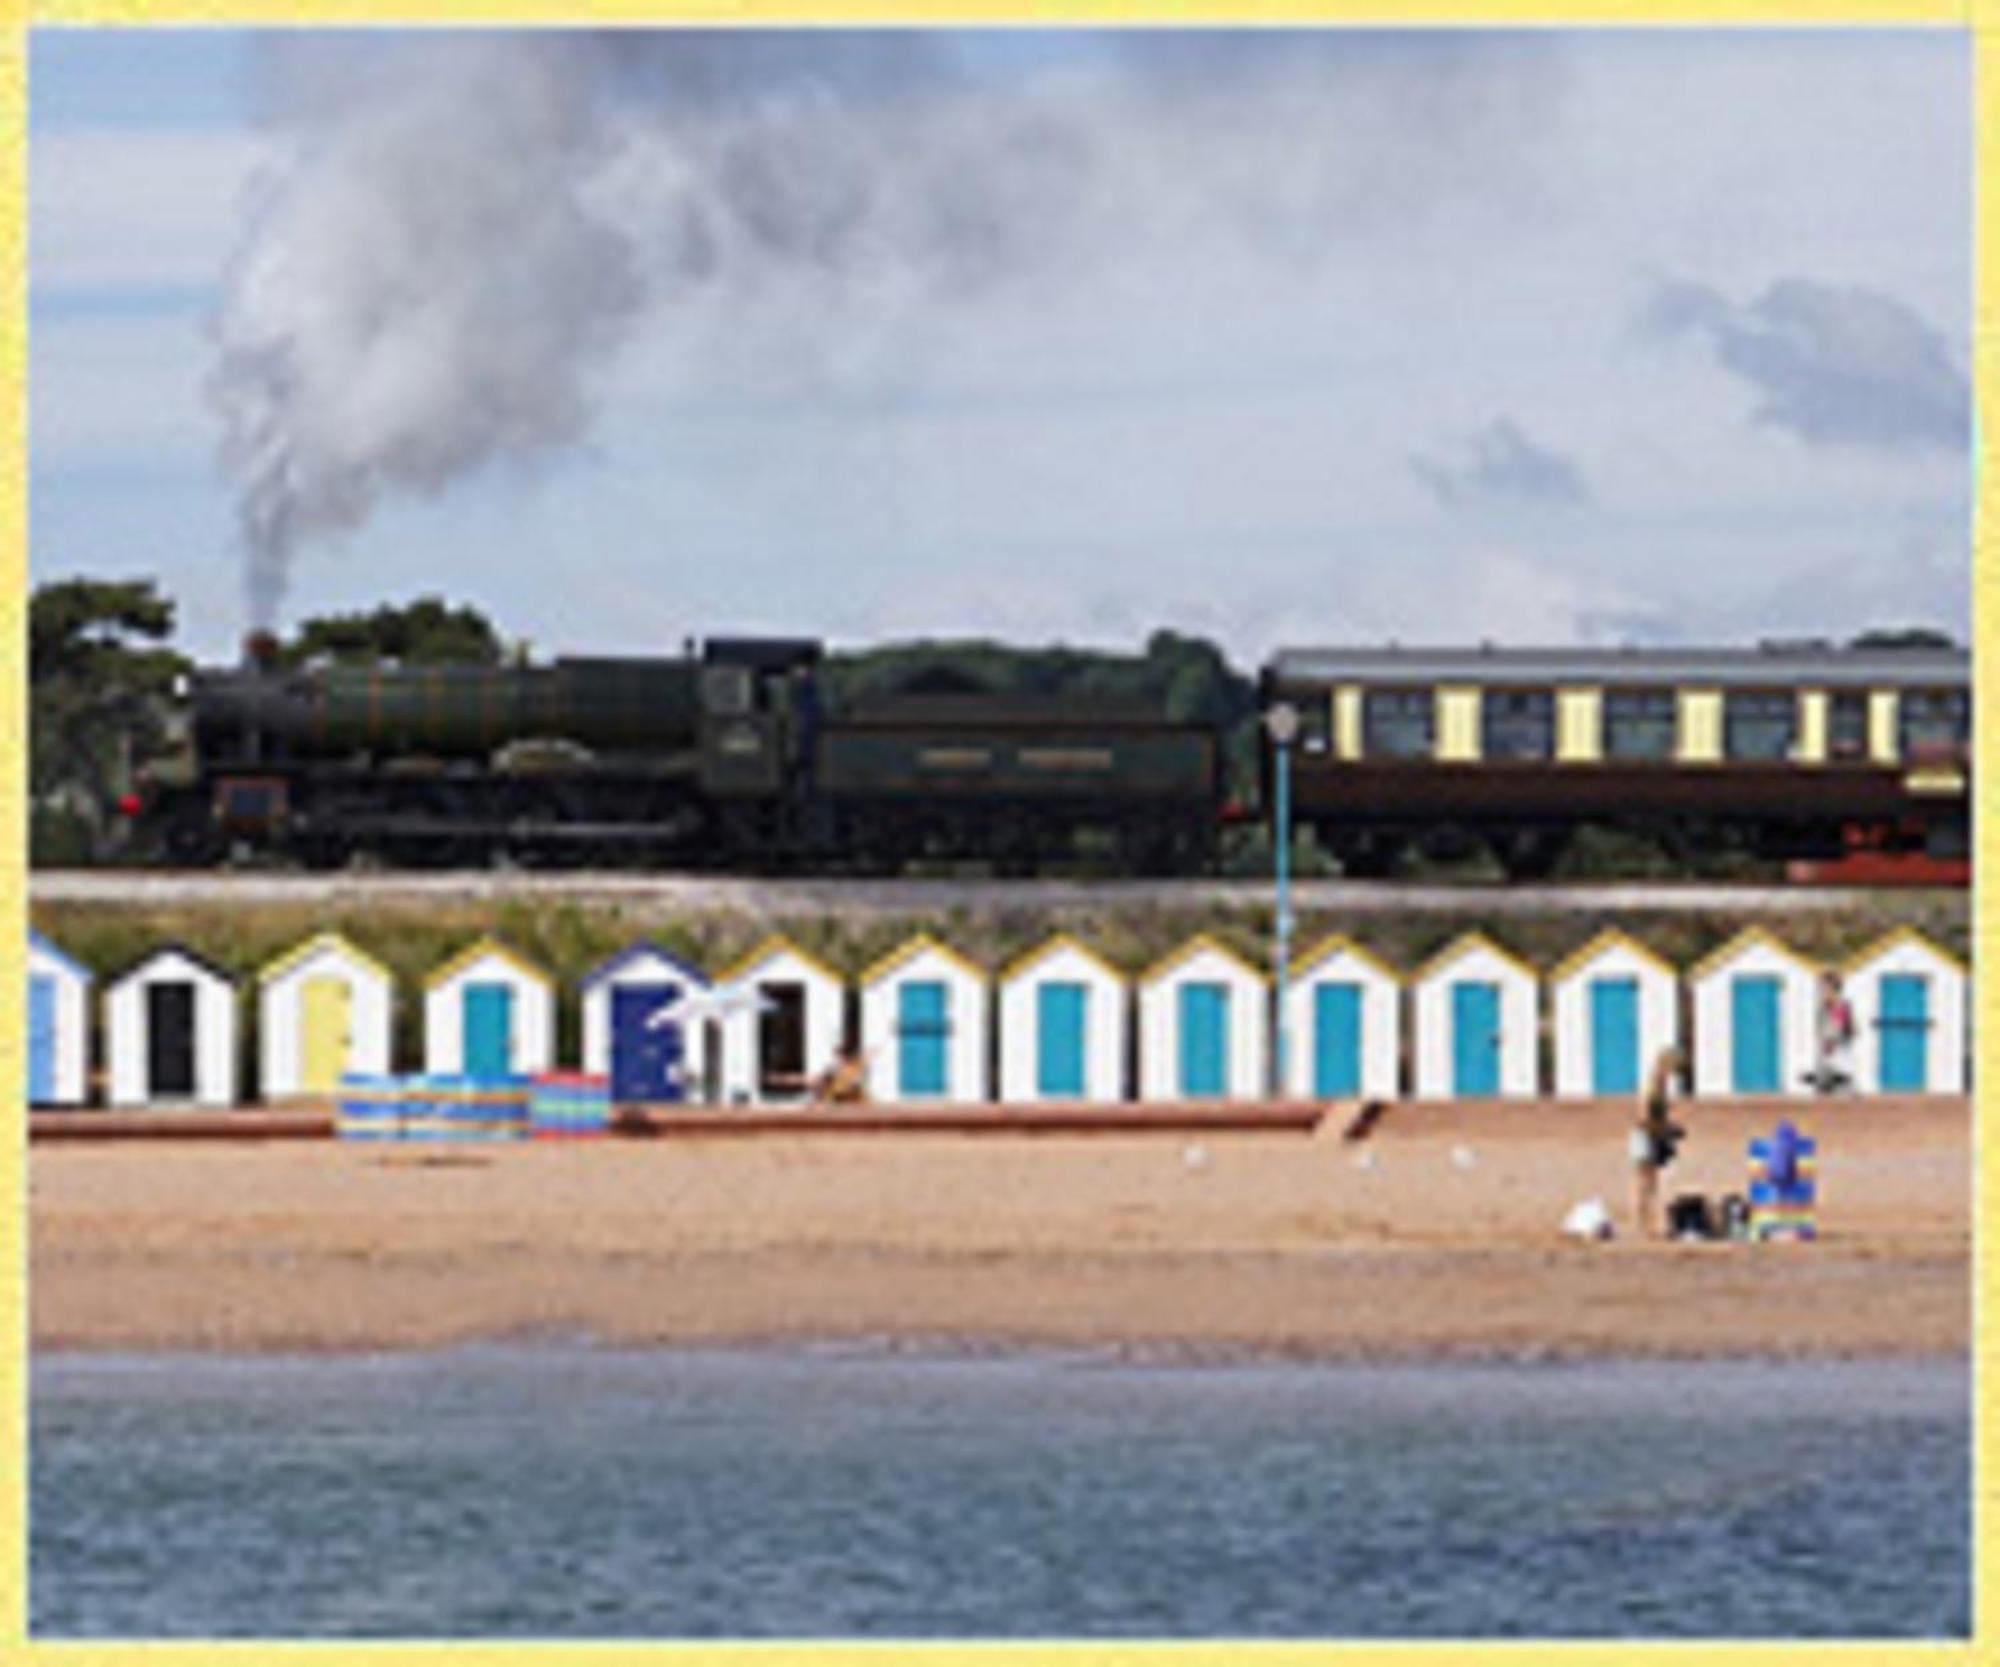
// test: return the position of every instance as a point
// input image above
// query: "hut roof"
(1462, 945)
(1749, 938)
(1177, 958)
(55, 951)
(474, 951)
(1032, 957)
(632, 952)
(907, 951)
(299, 953)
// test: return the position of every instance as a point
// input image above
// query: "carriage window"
(1640, 723)
(1397, 723)
(1315, 726)
(1847, 724)
(1933, 721)
(1517, 723)
(1759, 724)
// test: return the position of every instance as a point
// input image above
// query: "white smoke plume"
(465, 228)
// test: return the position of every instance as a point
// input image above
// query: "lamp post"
(1281, 722)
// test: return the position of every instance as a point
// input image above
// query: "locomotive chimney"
(260, 651)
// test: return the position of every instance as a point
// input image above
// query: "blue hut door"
(1475, 1039)
(1614, 1035)
(645, 1054)
(489, 1030)
(1204, 1041)
(1905, 1030)
(1336, 1040)
(41, 1039)
(1059, 1031)
(1753, 1034)
(921, 1028)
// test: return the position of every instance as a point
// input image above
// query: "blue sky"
(1576, 337)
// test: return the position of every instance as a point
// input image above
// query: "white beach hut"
(1755, 1002)
(783, 1020)
(924, 1024)
(1065, 1025)
(58, 1025)
(645, 1028)
(1908, 998)
(1203, 1025)
(488, 1013)
(170, 1032)
(323, 1009)
(1474, 1023)
(1615, 1006)
(1343, 1024)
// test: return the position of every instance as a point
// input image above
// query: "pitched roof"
(312, 946)
(922, 944)
(1609, 938)
(1194, 946)
(55, 951)
(1339, 943)
(474, 951)
(1745, 939)
(631, 952)
(776, 944)
(1463, 944)
(1896, 936)
(160, 951)
(1032, 957)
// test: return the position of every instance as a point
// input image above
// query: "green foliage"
(1906, 636)
(101, 685)
(425, 632)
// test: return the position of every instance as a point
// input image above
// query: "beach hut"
(58, 1025)
(1755, 1005)
(1615, 1005)
(644, 1026)
(324, 1009)
(783, 1020)
(1908, 998)
(1473, 1019)
(1343, 1024)
(170, 1032)
(488, 1013)
(1064, 1025)
(1203, 1026)
(924, 1024)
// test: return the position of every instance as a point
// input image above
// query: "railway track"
(775, 897)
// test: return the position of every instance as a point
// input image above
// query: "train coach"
(1783, 750)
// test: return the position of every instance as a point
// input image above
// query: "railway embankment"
(568, 923)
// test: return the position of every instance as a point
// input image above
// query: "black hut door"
(781, 1040)
(170, 1041)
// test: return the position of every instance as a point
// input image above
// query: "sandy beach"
(1438, 1236)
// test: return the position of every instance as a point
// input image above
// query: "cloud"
(1499, 465)
(1833, 366)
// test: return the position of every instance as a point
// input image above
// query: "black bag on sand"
(1689, 1216)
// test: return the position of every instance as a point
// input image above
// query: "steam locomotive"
(726, 757)
(735, 756)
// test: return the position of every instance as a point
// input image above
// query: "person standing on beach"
(1656, 1137)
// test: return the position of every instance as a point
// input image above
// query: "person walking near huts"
(1836, 1036)
(1655, 1139)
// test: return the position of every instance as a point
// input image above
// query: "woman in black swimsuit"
(1655, 1139)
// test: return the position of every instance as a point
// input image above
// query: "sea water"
(576, 1491)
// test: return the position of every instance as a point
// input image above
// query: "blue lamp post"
(1281, 722)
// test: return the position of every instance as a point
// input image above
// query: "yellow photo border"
(1980, 19)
